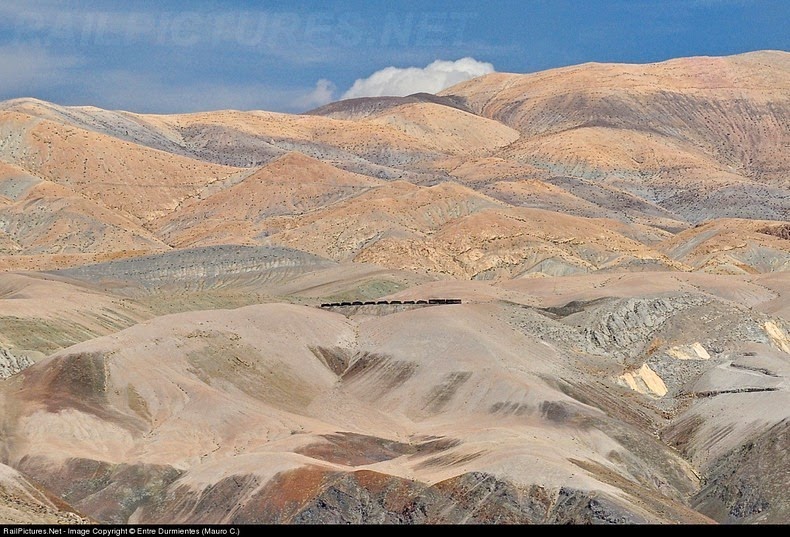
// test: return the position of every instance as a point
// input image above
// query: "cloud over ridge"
(433, 78)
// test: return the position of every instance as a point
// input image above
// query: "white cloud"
(322, 94)
(394, 81)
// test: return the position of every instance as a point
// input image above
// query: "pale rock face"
(694, 351)
(778, 336)
(644, 380)
(10, 364)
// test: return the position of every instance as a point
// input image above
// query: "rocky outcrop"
(10, 364)
(782, 231)
(24, 502)
(109, 492)
(624, 328)
(749, 484)
(312, 495)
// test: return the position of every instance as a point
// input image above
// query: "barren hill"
(431, 403)
(289, 185)
(617, 236)
(715, 129)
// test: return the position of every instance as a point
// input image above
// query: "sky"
(292, 56)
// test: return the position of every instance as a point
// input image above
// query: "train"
(428, 302)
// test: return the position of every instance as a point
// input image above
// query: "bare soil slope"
(617, 236)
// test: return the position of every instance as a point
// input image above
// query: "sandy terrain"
(617, 236)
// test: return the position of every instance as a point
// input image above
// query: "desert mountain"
(42, 217)
(704, 137)
(241, 316)
(663, 145)
(135, 181)
(565, 412)
(289, 185)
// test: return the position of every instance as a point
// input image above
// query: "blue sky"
(181, 56)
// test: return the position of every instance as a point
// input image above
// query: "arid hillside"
(241, 316)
